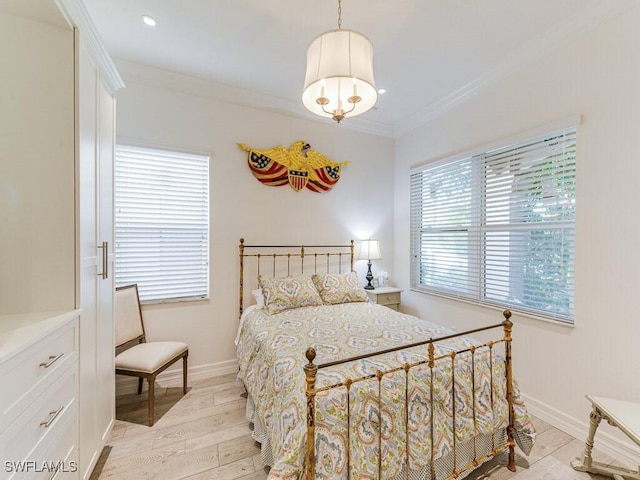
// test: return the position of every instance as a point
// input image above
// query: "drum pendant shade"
(339, 79)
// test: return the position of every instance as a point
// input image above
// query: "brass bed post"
(379, 376)
(406, 367)
(431, 363)
(310, 371)
(351, 246)
(241, 247)
(507, 353)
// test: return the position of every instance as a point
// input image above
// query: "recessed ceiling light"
(382, 90)
(149, 20)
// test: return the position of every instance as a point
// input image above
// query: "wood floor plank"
(214, 438)
(143, 458)
(235, 449)
(231, 471)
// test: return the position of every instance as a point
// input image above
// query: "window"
(497, 227)
(162, 223)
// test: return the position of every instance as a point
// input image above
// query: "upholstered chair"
(134, 355)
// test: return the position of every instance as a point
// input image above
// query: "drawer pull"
(52, 416)
(52, 360)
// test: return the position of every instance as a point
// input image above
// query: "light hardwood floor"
(205, 435)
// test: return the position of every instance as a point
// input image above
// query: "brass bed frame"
(334, 254)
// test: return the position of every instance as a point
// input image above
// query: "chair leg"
(152, 384)
(184, 375)
(139, 385)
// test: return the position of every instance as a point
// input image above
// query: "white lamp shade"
(370, 250)
(339, 65)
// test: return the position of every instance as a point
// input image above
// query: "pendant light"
(339, 80)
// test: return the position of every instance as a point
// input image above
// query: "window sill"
(520, 313)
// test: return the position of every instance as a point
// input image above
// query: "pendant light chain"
(339, 14)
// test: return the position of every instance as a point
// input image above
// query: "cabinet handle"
(52, 359)
(105, 260)
(52, 416)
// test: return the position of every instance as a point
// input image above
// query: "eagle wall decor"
(299, 166)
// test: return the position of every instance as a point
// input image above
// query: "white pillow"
(258, 296)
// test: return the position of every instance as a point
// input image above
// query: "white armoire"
(57, 135)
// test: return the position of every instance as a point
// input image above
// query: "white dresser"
(39, 396)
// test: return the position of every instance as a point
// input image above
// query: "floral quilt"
(271, 357)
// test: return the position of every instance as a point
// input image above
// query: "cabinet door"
(89, 265)
(95, 123)
(105, 325)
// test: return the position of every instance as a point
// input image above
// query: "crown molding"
(77, 15)
(135, 72)
(589, 17)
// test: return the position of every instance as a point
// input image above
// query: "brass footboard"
(311, 371)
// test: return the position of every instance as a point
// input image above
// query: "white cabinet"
(57, 130)
(39, 412)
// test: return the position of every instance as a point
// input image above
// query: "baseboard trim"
(126, 385)
(625, 452)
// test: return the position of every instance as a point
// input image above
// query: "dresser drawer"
(42, 420)
(54, 459)
(388, 298)
(33, 370)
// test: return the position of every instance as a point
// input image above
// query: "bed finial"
(507, 322)
(310, 354)
(241, 240)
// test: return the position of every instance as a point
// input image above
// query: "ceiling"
(428, 54)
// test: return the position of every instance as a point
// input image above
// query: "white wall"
(359, 206)
(36, 166)
(597, 76)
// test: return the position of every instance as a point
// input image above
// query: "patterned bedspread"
(271, 356)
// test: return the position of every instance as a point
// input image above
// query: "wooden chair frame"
(150, 377)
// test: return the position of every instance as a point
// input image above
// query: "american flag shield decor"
(266, 170)
(327, 178)
(299, 166)
(298, 179)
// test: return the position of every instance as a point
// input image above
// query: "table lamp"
(369, 250)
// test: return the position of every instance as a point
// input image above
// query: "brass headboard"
(290, 259)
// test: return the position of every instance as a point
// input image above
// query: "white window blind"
(498, 227)
(162, 223)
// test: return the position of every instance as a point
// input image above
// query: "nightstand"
(387, 296)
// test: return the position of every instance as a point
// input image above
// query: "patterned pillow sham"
(337, 288)
(285, 293)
